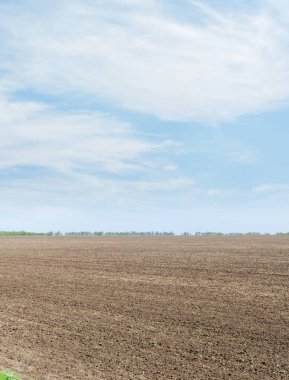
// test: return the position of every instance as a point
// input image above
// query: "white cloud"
(167, 185)
(227, 149)
(32, 134)
(15, 112)
(170, 168)
(271, 188)
(142, 58)
(80, 155)
(243, 157)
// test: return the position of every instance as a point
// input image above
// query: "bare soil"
(145, 308)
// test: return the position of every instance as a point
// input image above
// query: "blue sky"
(144, 115)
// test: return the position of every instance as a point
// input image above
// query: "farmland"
(145, 307)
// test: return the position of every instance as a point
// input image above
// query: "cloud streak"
(66, 142)
(145, 59)
(271, 188)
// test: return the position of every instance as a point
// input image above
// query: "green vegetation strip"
(8, 376)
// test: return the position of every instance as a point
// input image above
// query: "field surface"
(145, 308)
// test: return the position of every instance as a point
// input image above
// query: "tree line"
(136, 233)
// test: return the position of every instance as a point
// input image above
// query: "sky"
(119, 115)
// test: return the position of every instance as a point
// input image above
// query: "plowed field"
(145, 308)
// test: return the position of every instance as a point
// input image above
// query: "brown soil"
(145, 308)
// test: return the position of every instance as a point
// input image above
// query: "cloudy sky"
(144, 115)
